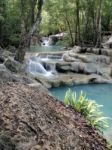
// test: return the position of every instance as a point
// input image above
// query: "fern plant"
(88, 108)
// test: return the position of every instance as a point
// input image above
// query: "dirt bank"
(32, 120)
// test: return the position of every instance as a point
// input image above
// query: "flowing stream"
(45, 47)
(44, 66)
(101, 93)
(38, 65)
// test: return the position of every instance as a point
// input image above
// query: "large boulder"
(76, 49)
(33, 120)
(4, 54)
(86, 68)
(91, 68)
(72, 78)
(108, 43)
(5, 75)
(78, 67)
(106, 52)
(100, 51)
(102, 59)
(63, 66)
(12, 49)
(14, 66)
(71, 56)
(99, 59)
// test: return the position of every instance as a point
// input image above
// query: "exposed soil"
(32, 120)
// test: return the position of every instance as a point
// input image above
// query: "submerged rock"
(31, 119)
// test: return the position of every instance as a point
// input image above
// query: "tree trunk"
(25, 42)
(70, 30)
(21, 52)
(77, 31)
(32, 12)
(99, 38)
(33, 4)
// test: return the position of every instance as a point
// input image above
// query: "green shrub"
(88, 108)
(14, 40)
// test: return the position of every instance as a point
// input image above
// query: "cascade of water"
(43, 65)
(45, 41)
(53, 68)
(35, 68)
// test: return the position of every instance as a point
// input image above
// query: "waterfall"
(37, 67)
(43, 64)
(51, 67)
(45, 41)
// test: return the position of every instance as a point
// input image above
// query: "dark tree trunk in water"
(25, 42)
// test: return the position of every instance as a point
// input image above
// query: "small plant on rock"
(88, 108)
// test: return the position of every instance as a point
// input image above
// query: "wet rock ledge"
(32, 120)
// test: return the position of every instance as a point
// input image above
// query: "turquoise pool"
(101, 93)
(45, 48)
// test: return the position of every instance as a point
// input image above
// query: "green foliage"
(57, 16)
(63, 42)
(14, 40)
(88, 108)
(58, 19)
(110, 145)
(1, 18)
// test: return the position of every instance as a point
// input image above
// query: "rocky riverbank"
(28, 118)
(76, 66)
(31, 119)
